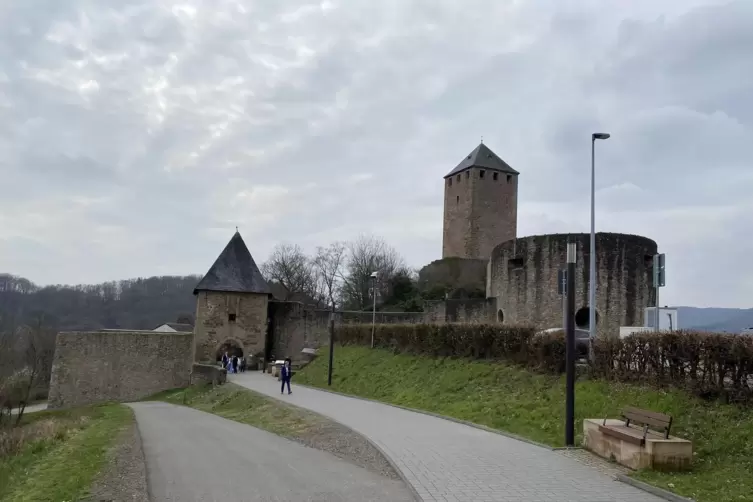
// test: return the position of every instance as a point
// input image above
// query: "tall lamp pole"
(570, 346)
(592, 256)
(374, 277)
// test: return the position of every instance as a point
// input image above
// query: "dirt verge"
(124, 477)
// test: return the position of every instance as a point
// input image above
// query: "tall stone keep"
(231, 305)
(480, 205)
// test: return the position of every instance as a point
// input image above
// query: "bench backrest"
(653, 419)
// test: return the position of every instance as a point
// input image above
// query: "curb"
(436, 415)
(659, 492)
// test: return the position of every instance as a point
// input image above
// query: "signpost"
(562, 291)
(659, 282)
(570, 347)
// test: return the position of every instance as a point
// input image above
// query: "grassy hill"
(512, 399)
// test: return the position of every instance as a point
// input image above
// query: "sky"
(136, 135)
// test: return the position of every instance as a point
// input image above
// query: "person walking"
(285, 374)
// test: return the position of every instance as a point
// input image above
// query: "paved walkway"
(448, 462)
(192, 456)
(32, 408)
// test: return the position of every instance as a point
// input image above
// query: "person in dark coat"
(285, 374)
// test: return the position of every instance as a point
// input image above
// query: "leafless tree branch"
(329, 263)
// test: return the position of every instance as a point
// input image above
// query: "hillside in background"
(128, 304)
(715, 319)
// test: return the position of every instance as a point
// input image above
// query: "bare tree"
(330, 264)
(289, 266)
(28, 352)
(366, 255)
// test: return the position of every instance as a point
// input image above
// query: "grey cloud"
(290, 106)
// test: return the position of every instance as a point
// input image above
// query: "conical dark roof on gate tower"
(482, 156)
(234, 271)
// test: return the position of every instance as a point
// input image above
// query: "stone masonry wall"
(295, 326)
(479, 213)
(494, 218)
(523, 278)
(214, 325)
(95, 367)
(470, 311)
(288, 322)
(453, 273)
(458, 199)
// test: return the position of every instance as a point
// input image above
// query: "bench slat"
(639, 416)
(660, 417)
(625, 436)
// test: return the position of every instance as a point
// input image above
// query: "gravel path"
(341, 441)
(197, 456)
(448, 461)
(124, 479)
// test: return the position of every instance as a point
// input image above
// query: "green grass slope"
(56, 455)
(512, 399)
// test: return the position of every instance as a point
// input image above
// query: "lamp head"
(600, 135)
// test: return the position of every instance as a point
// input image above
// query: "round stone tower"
(523, 278)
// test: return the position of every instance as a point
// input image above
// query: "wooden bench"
(651, 422)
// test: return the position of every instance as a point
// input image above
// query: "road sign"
(561, 281)
(660, 278)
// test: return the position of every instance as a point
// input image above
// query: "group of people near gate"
(233, 364)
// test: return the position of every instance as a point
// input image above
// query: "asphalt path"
(196, 456)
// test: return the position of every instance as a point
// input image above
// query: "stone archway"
(231, 346)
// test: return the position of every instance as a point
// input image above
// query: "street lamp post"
(374, 277)
(592, 257)
(570, 346)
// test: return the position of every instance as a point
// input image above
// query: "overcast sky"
(135, 135)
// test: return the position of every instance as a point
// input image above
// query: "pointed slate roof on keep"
(234, 271)
(482, 156)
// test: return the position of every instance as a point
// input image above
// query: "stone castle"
(519, 275)
(481, 251)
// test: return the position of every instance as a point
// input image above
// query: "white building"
(667, 319)
(173, 327)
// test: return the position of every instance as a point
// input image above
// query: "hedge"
(711, 365)
(476, 341)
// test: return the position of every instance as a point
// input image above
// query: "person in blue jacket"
(285, 374)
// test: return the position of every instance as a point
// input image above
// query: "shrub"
(710, 365)
(476, 341)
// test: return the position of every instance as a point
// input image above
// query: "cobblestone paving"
(602, 465)
(450, 462)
